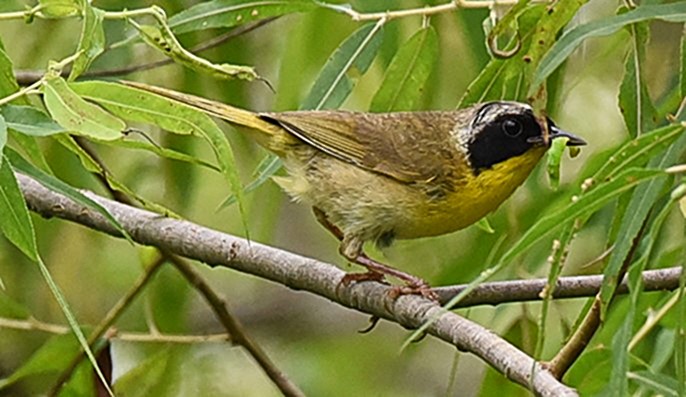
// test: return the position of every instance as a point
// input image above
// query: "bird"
(378, 177)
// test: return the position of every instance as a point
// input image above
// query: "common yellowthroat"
(384, 176)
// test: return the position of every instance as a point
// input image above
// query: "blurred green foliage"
(613, 85)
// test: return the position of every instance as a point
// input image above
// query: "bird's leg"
(371, 275)
(351, 249)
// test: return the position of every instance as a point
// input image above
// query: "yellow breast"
(474, 199)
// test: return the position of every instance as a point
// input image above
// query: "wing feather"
(411, 147)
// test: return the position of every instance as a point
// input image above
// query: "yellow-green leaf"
(75, 114)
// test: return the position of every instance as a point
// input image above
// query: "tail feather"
(223, 111)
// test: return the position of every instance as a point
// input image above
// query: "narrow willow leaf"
(8, 84)
(639, 151)
(634, 102)
(51, 358)
(58, 186)
(3, 137)
(29, 145)
(29, 120)
(15, 222)
(661, 385)
(339, 75)
(639, 207)
(228, 13)
(570, 40)
(92, 41)
(269, 165)
(167, 153)
(682, 78)
(618, 382)
(163, 40)
(60, 8)
(73, 323)
(78, 116)
(586, 204)
(405, 77)
(92, 166)
(140, 106)
(558, 15)
(143, 106)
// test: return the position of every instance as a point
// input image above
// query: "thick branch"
(219, 249)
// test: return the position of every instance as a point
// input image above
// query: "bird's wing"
(411, 147)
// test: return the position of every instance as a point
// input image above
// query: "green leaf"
(51, 358)
(3, 136)
(557, 149)
(92, 166)
(77, 115)
(164, 40)
(29, 120)
(408, 72)
(639, 207)
(586, 204)
(682, 76)
(637, 152)
(590, 372)
(10, 308)
(558, 15)
(340, 73)
(143, 106)
(60, 8)
(661, 385)
(140, 106)
(92, 41)
(8, 84)
(15, 221)
(29, 146)
(570, 40)
(634, 101)
(269, 165)
(228, 13)
(58, 186)
(167, 153)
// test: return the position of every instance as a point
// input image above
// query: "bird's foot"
(422, 289)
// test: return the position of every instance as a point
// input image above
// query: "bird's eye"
(512, 127)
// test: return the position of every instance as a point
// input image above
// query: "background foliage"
(609, 89)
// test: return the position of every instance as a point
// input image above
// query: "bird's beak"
(558, 133)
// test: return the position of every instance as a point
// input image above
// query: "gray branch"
(220, 249)
(567, 287)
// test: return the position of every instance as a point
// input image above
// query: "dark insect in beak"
(555, 132)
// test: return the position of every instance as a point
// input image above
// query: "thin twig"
(499, 292)
(106, 323)
(25, 77)
(238, 334)
(219, 249)
(423, 11)
(31, 324)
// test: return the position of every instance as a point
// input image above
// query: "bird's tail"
(234, 115)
